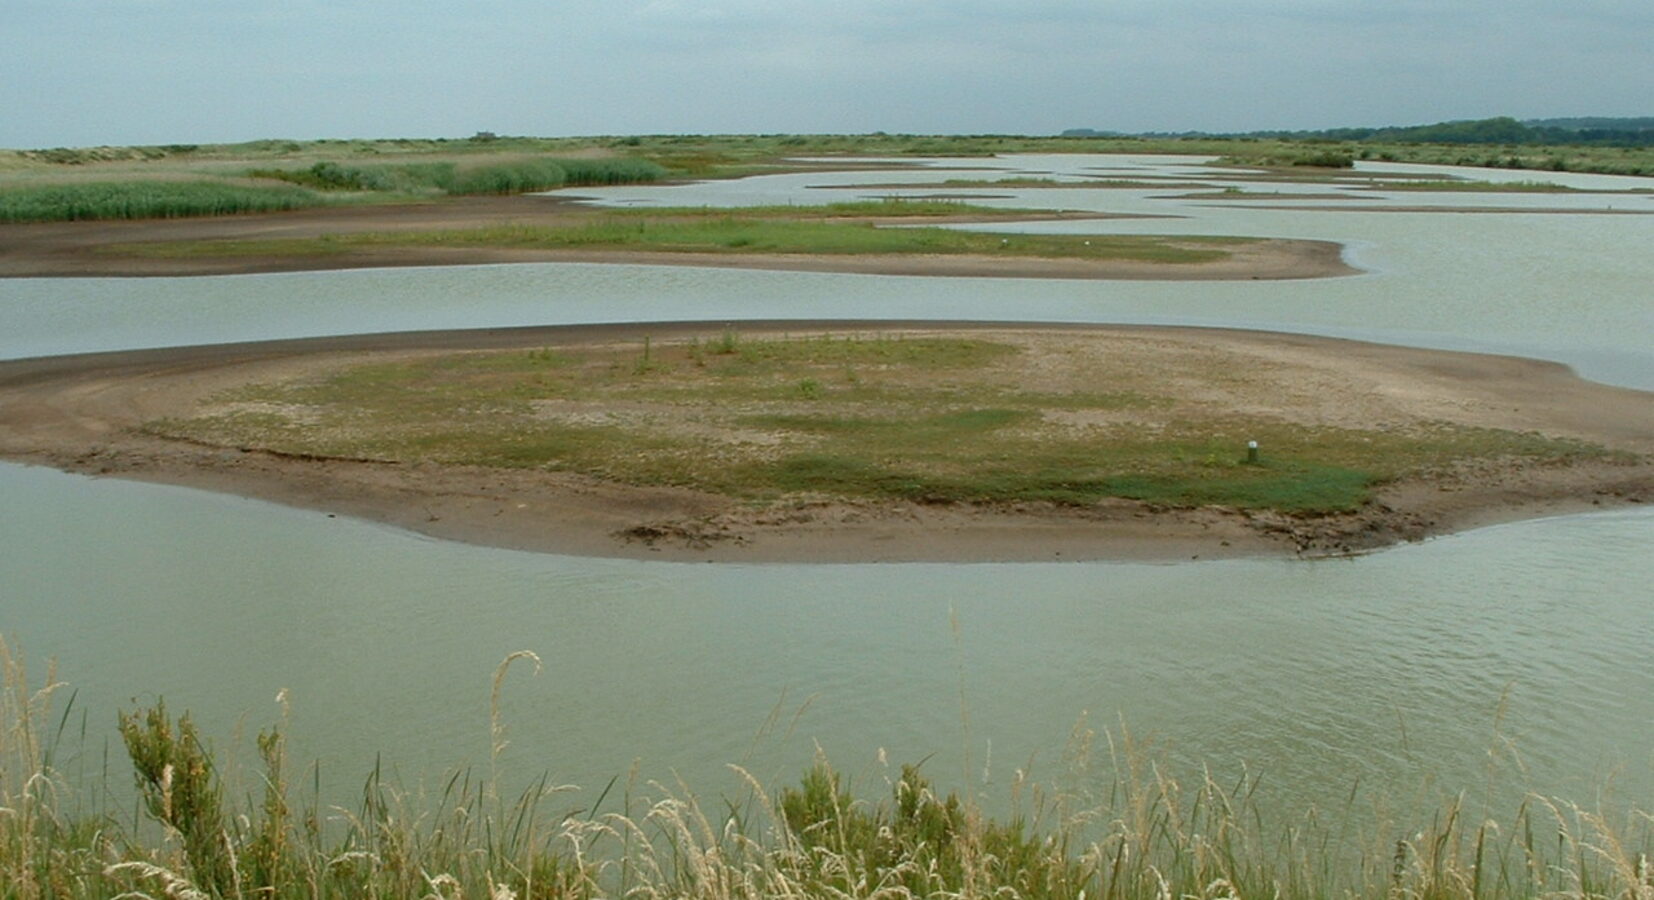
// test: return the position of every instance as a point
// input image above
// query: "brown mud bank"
(83, 414)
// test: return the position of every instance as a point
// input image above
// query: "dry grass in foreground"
(1149, 836)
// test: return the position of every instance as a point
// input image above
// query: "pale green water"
(1389, 669)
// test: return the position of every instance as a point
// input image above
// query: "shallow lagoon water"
(1396, 669)
(1399, 671)
(1572, 288)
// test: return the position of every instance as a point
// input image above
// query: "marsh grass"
(1129, 829)
(1084, 183)
(545, 174)
(1293, 156)
(196, 192)
(720, 232)
(926, 419)
(513, 176)
(411, 178)
(146, 200)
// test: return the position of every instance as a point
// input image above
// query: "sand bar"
(78, 413)
(81, 249)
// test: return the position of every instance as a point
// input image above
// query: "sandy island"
(79, 413)
(81, 249)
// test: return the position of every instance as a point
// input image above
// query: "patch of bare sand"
(79, 414)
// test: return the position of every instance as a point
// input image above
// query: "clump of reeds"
(1144, 835)
(609, 171)
(544, 174)
(501, 177)
(178, 199)
(392, 178)
(1294, 156)
(146, 200)
(48, 846)
(510, 177)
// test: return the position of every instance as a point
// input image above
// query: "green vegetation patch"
(1295, 157)
(487, 177)
(925, 419)
(720, 232)
(146, 200)
(1022, 183)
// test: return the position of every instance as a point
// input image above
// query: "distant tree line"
(1607, 132)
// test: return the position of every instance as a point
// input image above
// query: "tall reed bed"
(610, 171)
(1143, 834)
(505, 177)
(510, 177)
(146, 200)
(307, 188)
(398, 178)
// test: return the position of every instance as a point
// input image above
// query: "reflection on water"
(1386, 668)
(1565, 287)
(1389, 669)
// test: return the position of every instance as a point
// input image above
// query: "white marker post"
(1251, 451)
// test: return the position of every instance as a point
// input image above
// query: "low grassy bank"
(882, 208)
(1023, 183)
(1287, 156)
(917, 418)
(764, 230)
(1487, 187)
(1133, 831)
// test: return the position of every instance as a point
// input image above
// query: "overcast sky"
(83, 72)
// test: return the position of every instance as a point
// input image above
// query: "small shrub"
(1325, 159)
(180, 790)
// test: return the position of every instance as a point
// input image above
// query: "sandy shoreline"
(77, 413)
(81, 249)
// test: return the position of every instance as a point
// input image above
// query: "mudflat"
(98, 414)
